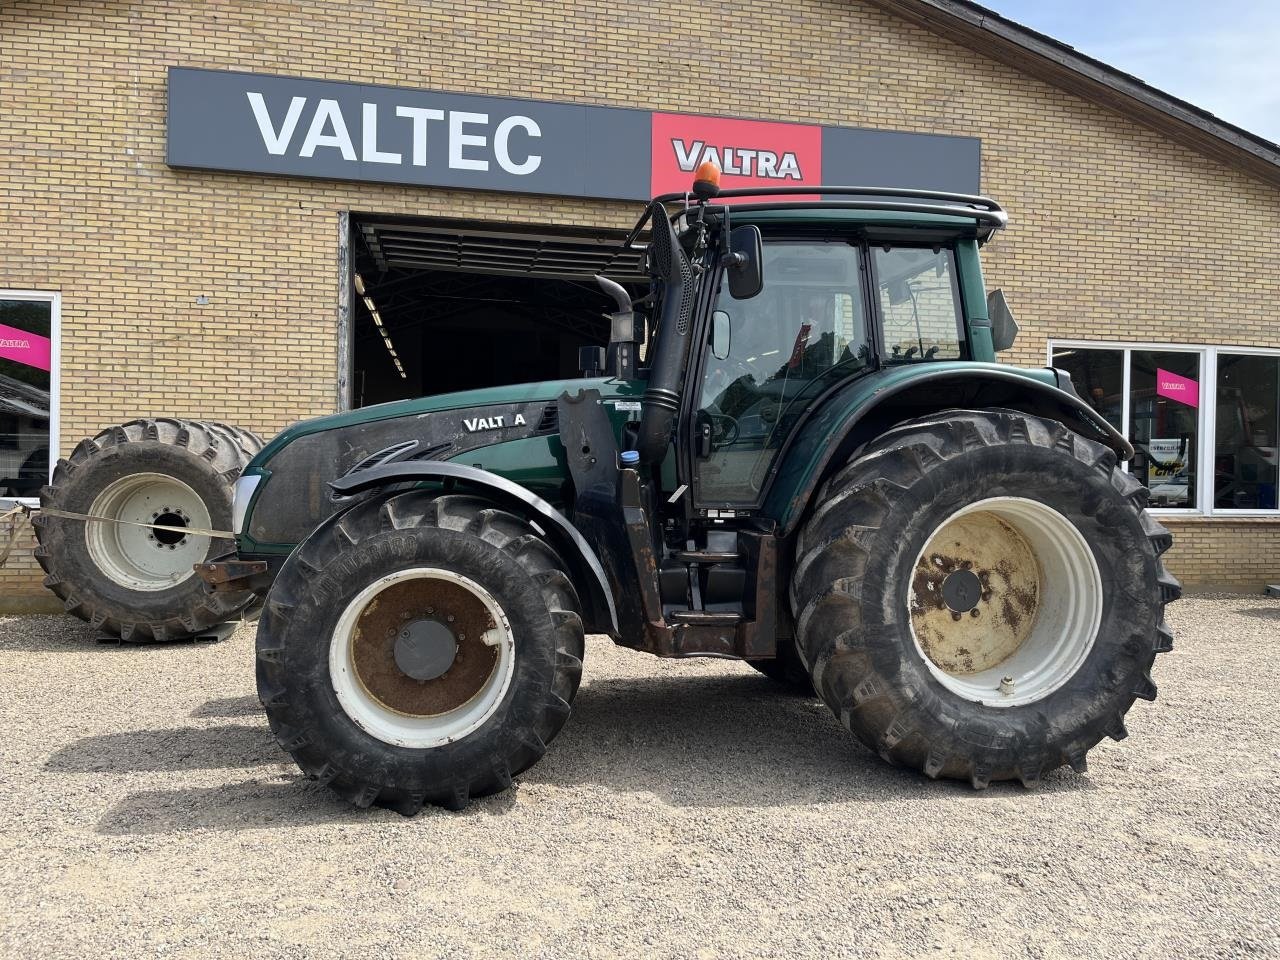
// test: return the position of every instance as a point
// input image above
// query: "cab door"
(767, 359)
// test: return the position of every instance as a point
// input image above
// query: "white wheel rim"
(1038, 607)
(140, 558)
(409, 729)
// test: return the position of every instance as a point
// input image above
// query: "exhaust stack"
(661, 403)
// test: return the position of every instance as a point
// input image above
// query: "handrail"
(982, 209)
(972, 199)
(994, 219)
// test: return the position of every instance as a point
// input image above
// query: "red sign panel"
(750, 153)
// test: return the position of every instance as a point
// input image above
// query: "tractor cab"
(769, 307)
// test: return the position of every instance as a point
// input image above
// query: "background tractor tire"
(131, 582)
(249, 441)
(905, 644)
(377, 729)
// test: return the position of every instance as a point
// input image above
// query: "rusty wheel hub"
(421, 657)
(1005, 601)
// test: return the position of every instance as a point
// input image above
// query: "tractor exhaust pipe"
(661, 403)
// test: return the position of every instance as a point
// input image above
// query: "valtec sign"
(298, 127)
(468, 138)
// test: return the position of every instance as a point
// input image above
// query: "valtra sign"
(749, 153)
(291, 126)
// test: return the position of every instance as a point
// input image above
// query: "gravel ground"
(688, 810)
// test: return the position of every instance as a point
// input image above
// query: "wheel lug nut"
(1006, 686)
(451, 618)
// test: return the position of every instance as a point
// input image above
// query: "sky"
(1222, 56)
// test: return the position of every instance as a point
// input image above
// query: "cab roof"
(884, 206)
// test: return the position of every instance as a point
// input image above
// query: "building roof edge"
(1019, 46)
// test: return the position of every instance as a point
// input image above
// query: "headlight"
(244, 489)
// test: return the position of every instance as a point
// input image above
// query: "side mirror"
(721, 334)
(746, 275)
(1004, 329)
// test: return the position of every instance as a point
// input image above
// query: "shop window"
(1098, 376)
(1204, 421)
(1164, 404)
(1245, 471)
(26, 372)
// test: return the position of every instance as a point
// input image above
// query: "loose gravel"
(688, 810)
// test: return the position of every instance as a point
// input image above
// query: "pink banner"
(23, 347)
(1177, 388)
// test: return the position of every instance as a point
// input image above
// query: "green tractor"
(796, 451)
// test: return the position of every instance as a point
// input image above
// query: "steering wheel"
(724, 429)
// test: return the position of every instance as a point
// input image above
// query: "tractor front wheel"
(980, 595)
(419, 648)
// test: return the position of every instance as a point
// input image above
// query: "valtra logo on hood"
(750, 153)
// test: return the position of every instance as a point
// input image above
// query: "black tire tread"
(464, 514)
(854, 503)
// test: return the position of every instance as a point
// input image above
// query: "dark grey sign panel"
(221, 120)
(317, 128)
(884, 158)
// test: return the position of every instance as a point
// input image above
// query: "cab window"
(919, 304)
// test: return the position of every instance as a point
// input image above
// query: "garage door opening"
(445, 305)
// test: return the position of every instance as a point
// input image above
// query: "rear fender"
(599, 613)
(854, 417)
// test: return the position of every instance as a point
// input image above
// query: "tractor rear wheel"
(419, 648)
(980, 596)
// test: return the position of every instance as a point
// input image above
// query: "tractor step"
(705, 618)
(706, 556)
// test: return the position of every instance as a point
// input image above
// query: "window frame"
(54, 299)
(1206, 413)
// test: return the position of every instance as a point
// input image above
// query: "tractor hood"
(545, 391)
(291, 496)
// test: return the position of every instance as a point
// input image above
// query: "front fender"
(866, 408)
(600, 615)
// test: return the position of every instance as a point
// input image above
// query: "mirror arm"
(730, 259)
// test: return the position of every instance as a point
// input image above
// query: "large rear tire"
(130, 581)
(419, 648)
(980, 596)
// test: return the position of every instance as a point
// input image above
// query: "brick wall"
(1117, 232)
(1235, 554)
